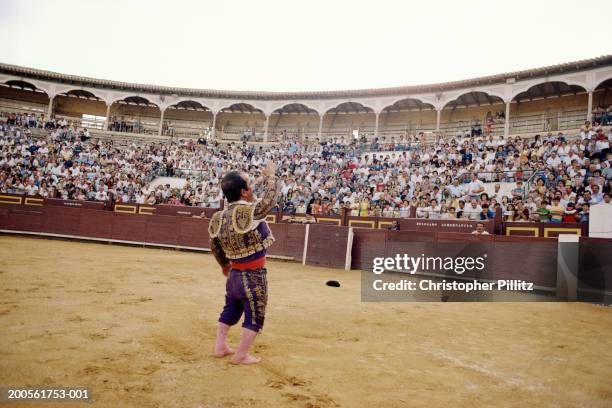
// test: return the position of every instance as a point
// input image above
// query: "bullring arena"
(108, 189)
(136, 326)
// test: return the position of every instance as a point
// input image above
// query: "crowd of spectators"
(551, 178)
(116, 124)
(39, 121)
(602, 116)
(120, 124)
(68, 165)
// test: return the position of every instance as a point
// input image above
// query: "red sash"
(254, 264)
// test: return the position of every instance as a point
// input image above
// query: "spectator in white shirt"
(480, 229)
(553, 160)
(475, 187)
(472, 211)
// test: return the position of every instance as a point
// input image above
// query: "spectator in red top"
(570, 214)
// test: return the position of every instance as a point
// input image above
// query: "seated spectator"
(476, 128)
(486, 213)
(433, 210)
(455, 190)
(460, 206)
(556, 210)
(480, 229)
(521, 213)
(316, 208)
(531, 205)
(509, 214)
(301, 208)
(542, 213)
(586, 198)
(518, 191)
(584, 213)
(570, 214)
(364, 207)
(376, 211)
(473, 211)
(289, 208)
(596, 195)
(421, 211)
(394, 226)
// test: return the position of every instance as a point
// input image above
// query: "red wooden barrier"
(595, 265)
(543, 229)
(509, 257)
(4, 217)
(535, 255)
(138, 228)
(162, 229)
(92, 205)
(25, 220)
(289, 240)
(463, 237)
(279, 230)
(532, 261)
(327, 246)
(410, 242)
(210, 211)
(362, 222)
(367, 245)
(129, 227)
(419, 224)
(11, 199)
(296, 235)
(60, 220)
(329, 220)
(193, 232)
(177, 210)
(32, 201)
(95, 223)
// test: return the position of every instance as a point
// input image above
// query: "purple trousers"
(246, 291)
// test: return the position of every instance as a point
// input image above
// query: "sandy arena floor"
(137, 326)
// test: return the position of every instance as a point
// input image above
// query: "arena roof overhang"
(520, 85)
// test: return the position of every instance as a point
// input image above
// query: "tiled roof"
(568, 67)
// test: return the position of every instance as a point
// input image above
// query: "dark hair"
(232, 185)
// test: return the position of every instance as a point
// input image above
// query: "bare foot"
(247, 359)
(226, 351)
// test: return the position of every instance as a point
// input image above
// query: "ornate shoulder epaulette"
(215, 224)
(242, 218)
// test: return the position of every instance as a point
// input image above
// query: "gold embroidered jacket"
(240, 232)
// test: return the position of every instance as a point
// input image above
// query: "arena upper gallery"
(570, 90)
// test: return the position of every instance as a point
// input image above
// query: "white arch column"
(589, 106)
(161, 122)
(265, 137)
(214, 125)
(507, 120)
(108, 106)
(320, 127)
(376, 125)
(50, 108)
(438, 117)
